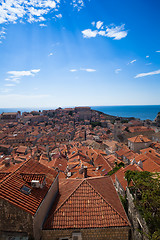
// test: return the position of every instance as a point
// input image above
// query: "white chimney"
(133, 162)
(35, 184)
(140, 164)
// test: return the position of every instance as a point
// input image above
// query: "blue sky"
(79, 52)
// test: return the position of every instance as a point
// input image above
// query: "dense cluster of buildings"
(62, 171)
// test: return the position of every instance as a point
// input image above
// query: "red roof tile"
(103, 163)
(120, 174)
(139, 139)
(10, 187)
(89, 203)
(151, 166)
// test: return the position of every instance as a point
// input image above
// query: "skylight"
(25, 190)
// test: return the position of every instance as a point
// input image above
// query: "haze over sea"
(142, 112)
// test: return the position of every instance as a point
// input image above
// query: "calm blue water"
(142, 112)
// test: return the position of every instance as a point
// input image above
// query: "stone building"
(139, 227)
(11, 115)
(6, 149)
(26, 196)
(138, 142)
(84, 113)
(117, 129)
(87, 209)
(34, 205)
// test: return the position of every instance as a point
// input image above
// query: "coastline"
(137, 111)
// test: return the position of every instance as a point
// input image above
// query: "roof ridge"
(108, 202)
(32, 173)
(106, 160)
(69, 196)
(152, 161)
(9, 175)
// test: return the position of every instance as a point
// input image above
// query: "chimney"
(7, 162)
(140, 164)
(85, 172)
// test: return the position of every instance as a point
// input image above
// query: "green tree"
(146, 188)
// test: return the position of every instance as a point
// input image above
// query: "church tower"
(117, 129)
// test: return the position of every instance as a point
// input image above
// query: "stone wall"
(119, 187)
(140, 229)
(44, 208)
(147, 134)
(136, 147)
(14, 219)
(119, 233)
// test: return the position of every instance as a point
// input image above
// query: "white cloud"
(158, 51)
(19, 73)
(147, 74)
(88, 33)
(132, 61)
(16, 80)
(2, 34)
(31, 10)
(148, 63)
(93, 23)
(50, 54)
(118, 70)
(83, 69)
(115, 32)
(147, 56)
(102, 33)
(15, 76)
(12, 11)
(59, 15)
(22, 73)
(79, 4)
(99, 24)
(35, 70)
(43, 25)
(88, 69)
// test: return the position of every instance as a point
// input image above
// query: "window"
(25, 190)
(64, 238)
(76, 236)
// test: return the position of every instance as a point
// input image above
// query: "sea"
(142, 112)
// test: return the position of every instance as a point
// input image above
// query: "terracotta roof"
(145, 150)
(11, 186)
(87, 203)
(28, 177)
(21, 149)
(59, 163)
(139, 139)
(103, 163)
(151, 166)
(3, 175)
(154, 157)
(9, 113)
(5, 146)
(130, 155)
(141, 157)
(112, 159)
(139, 129)
(122, 151)
(61, 175)
(120, 174)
